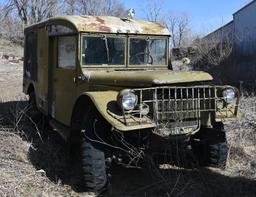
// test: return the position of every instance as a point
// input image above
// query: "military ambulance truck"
(107, 86)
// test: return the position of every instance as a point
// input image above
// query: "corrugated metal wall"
(241, 66)
(245, 43)
(224, 34)
(245, 30)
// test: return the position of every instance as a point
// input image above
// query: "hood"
(144, 78)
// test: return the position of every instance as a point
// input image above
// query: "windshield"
(147, 51)
(103, 51)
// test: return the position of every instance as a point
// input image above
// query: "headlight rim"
(121, 97)
(235, 96)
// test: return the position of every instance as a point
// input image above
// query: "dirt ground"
(33, 161)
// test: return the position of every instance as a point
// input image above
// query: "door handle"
(81, 78)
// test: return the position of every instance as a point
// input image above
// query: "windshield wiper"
(107, 49)
(149, 52)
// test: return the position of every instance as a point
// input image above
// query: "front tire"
(218, 154)
(93, 167)
(210, 148)
(92, 152)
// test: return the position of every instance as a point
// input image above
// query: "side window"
(30, 66)
(67, 52)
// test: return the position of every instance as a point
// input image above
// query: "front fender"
(105, 103)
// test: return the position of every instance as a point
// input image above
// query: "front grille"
(176, 109)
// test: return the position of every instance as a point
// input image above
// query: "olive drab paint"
(62, 79)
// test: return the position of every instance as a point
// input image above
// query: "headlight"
(127, 100)
(229, 95)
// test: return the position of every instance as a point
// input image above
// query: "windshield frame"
(145, 37)
(100, 36)
(127, 38)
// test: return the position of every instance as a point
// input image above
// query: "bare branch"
(153, 10)
(212, 51)
(178, 25)
(101, 7)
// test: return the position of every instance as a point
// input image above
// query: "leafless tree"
(42, 9)
(178, 25)
(100, 7)
(20, 7)
(71, 7)
(17, 14)
(215, 49)
(11, 29)
(154, 10)
(30, 11)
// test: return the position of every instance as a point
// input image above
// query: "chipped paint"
(110, 24)
(144, 78)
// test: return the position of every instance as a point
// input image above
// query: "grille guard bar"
(178, 110)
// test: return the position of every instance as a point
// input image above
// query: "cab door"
(42, 76)
(63, 55)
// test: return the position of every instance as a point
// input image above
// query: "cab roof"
(106, 24)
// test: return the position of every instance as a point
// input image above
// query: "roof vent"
(131, 13)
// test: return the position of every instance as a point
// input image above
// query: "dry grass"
(19, 152)
(18, 176)
(242, 139)
(32, 167)
(11, 48)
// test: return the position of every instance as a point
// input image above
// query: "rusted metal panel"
(107, 24)
(110, 24)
